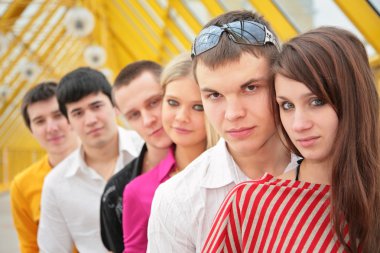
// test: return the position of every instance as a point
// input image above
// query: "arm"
(53, 233)
(26, 227)
(110, 221)
(226, 230)
(169, 230)
(135, 221)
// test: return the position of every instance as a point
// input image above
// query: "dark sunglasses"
(241, 32)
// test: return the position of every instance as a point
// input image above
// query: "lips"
(240, 132)
(308, 141)
(94, 131)
(156, 132)
(181, 130)
(55, 138)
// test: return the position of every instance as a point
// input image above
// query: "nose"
(182, 114)
(234, 109)
(301, 121)
(52, 125)
(148, 119)
(90, 118)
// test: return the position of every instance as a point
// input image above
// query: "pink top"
(273, 215)
(137, 201)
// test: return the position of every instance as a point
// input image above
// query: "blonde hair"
(180, 67)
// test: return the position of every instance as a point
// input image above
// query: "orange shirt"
(25, 203)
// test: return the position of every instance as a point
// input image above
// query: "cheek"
(286, 123)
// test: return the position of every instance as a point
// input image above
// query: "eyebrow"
(308, 94)
(245, 84)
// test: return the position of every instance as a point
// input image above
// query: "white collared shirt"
(184, 207)
(70, 203)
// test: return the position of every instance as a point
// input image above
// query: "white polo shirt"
(70, 202)
(184, 207)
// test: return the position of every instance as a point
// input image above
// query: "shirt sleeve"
(26, 227)
(135, 222)
(53, 233)
(226, 231)
(169, 230)
(110, 220)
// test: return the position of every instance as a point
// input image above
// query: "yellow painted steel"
(148, 37)
(283, 28)
(128, 35)
(11, 14)
(186, 14)
(364, 18)
(213, 7)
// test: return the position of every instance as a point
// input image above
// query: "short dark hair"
(80, 83)
(41, 92)
(134, 70)
(227, 50)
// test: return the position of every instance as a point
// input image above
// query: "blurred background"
(44, 39)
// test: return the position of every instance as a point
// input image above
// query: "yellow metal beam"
(187, 16)
(129, 36)
(283, 28)
(10, 16)
(25, 29)
(213, 7)
(364, 18)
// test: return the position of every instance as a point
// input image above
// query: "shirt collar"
(221, 167)
(128, 141)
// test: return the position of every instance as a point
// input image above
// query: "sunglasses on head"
(241, 32)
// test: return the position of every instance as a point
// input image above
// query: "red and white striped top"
(273, 215)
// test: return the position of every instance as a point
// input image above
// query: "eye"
(317, 102)
(198, 107)
(77, 114)
(97, 106)
(155, 103)
(214, 95)
(57, 116)
(250, 88)
(172, 102)
(39, 122)
(287, 106)
(133, 115)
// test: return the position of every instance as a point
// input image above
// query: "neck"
(185, 155)
(55, 159)
(103, 159)
(272, 158)
(317, 172)
(153, 156)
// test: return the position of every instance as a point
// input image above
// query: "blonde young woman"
(184, 121)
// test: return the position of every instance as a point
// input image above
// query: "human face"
(94, 120)
(311, 124)
(141, 104)
(182, 113)
(50, 128)
(236, 101)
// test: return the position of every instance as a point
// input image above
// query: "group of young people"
(297, 167)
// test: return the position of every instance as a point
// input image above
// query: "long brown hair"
(333, 64)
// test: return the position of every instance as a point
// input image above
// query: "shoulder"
(35, 172)
(188, 181)
(123, 176)
(58, 173)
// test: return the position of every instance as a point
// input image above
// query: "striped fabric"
(272, 215)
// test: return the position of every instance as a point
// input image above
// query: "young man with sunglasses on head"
(71, 193)
(232, 59)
